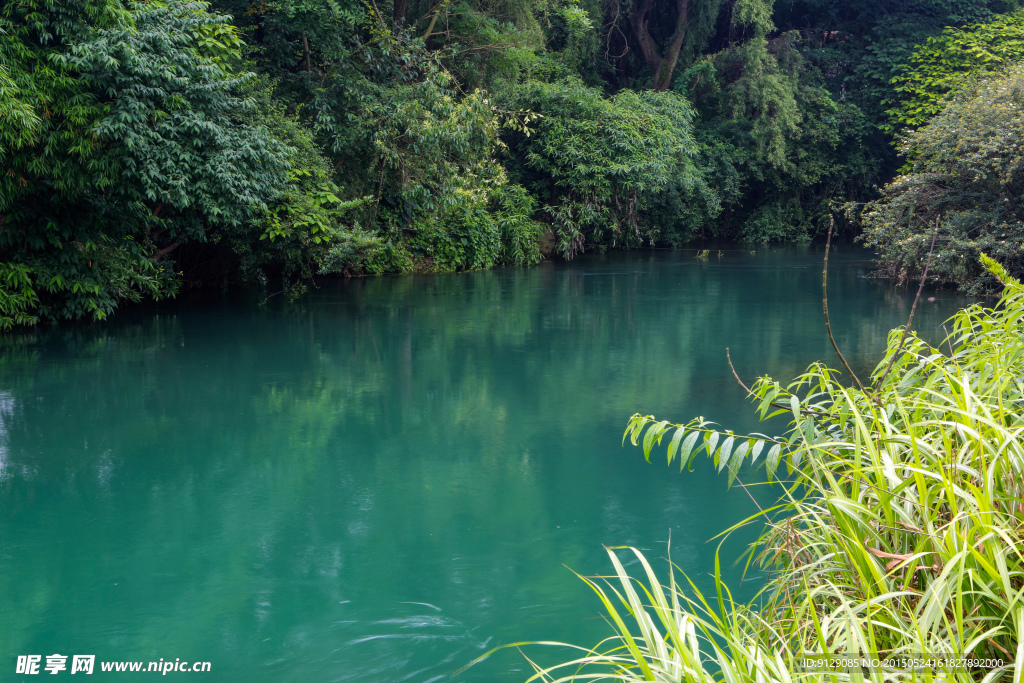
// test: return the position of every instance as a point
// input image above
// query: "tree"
(662, 65)
(661, 32)
(402, 131)
(946, 61)
(133, 134)
(67, 250)
(173, 106)
(965, 180)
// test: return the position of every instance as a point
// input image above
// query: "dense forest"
(150, 146)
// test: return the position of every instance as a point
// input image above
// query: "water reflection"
(384, 479)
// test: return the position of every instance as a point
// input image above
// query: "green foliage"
(308, 215)
(759, 87)
(48, 109)
(486, 40)
(436, 144)
(172, 109)
(601, 162)
(58, 172)
(897, 531)
(134, 136)
(192, 142)
(17, 298)
(434, 157)
(412, 142)
(778, 145)
(858, 47)
(966, 175)
(476, 233)
(355, 251)
(519, 234)
(945, 62)
(464, 237)
(756, 14)
(861, 45)
(18, 120)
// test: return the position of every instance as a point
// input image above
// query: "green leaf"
(724, 453)
(758, 445)
(674, 444)
(687, 452)
(772, 459)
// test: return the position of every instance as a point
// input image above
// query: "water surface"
(385, 479)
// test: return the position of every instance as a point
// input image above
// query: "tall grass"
(898, 533)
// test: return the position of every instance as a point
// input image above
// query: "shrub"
(520, 234)
(602, 161)
(462, 236)
(355, 251)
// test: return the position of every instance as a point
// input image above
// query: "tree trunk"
(401, 6)
(662, 66)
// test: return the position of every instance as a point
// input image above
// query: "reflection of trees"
(239, 474)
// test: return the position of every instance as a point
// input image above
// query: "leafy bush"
(519, 234)
(600, 162)
(966, 174)
(390, 258)
(17, 298)
(438, 184)
(462, 236)
(353, 251)
(898, 531)
(477, 233)
(170, 116)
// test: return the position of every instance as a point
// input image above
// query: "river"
(390, 476)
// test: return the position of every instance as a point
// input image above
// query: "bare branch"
(824, 298)
(728, 358)
(906, 330)
(751, 391)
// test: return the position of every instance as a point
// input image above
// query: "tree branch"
(751, 391)
(643, 35)
(166, 250)
(433, 20)
(675, 45)
(906, 330)
(824, 298)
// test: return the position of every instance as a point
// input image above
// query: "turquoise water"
(390, 476)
